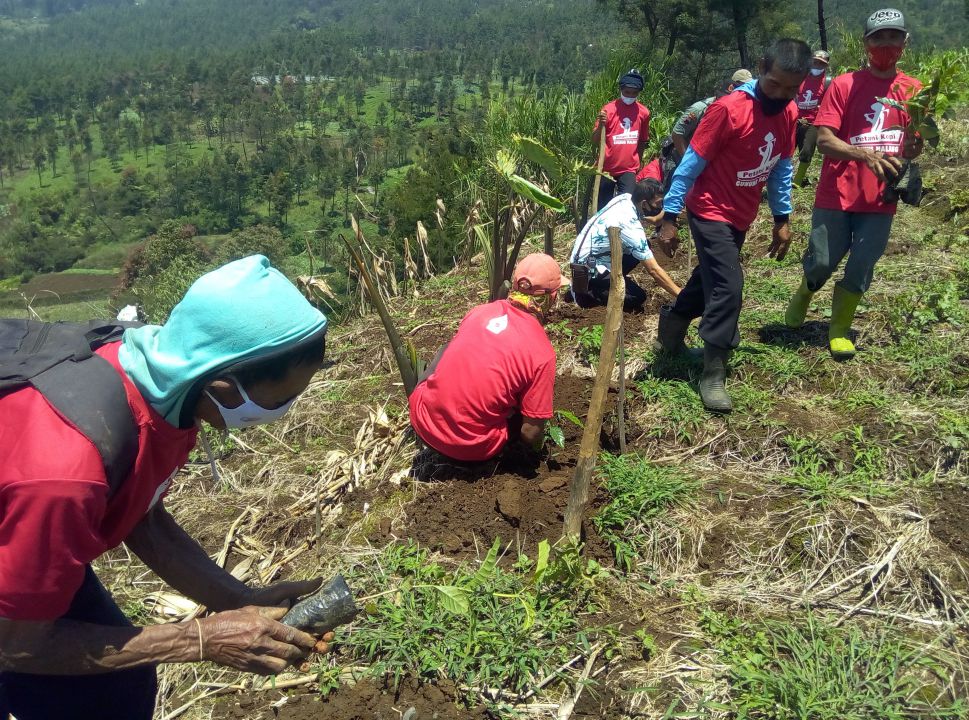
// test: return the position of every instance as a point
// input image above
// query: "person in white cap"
(863, 143)
(808, 101)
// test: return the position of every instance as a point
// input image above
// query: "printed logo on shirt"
(878, 138)
(757, 175)
(807, 101)
(627, 136)
(162, 489)
(497, 325)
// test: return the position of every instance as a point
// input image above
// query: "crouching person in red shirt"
(494, 382)
(236, 351)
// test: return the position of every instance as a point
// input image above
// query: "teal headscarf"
(241, 311)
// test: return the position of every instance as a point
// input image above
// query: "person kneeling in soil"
(591, 252)
(494, 381)
(236, 351)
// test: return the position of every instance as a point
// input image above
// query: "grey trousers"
(836, 233)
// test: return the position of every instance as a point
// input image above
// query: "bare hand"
(885, 167)
(780, 242)
(602, 117)
(251, 640)
(667, 238)
(913, 146)
(282, 594)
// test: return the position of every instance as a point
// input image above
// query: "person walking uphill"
(236, 351)
(809, 97)
(494, 381)
(626, 124)
(744, 142)
(861, 140)
(591, 253)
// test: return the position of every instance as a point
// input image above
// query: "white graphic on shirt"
(757, 175)
(878, 138)
(628, 136)
(497, 325)
(162, 489)
(807, 101)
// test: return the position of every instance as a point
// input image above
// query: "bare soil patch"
(951, 521)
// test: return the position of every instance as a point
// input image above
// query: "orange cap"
(537, 274)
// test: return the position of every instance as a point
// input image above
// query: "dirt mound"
(366, 700)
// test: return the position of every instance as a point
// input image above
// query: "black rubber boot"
(712, 390)
(671, 333)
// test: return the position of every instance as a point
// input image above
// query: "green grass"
(486, 626)
(640, 493)
(807, 670)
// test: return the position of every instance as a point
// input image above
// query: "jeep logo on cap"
(885, 16)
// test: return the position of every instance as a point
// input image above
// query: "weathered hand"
(667, 238)
(885, 167)
(780, 241)
(251, 640)
(913, 146)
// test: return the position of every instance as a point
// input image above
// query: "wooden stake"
(599, 162)
(622, 380)
(589, 449)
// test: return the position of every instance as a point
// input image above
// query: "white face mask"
(248, 413)
(817, 71)
(627, 100)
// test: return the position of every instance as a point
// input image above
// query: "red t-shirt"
(500, 362)
(809, 96)
(626, 127)
(851, 110)
(741, 146)
(55, 514)
(651, 170)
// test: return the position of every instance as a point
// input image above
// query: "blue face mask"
(249, 413)
(627, 100)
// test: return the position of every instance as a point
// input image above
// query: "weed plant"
(780, 670)
(495, 628)
(641, 493)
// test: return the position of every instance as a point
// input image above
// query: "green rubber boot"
(843, 306)
(801, 175)
(798, 306)
(712, 390)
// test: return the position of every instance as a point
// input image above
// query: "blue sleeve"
(686, 174)
(779, 187)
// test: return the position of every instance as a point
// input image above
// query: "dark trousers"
(599, 288)
(716, 287)
(807, 142)
(626, 183)
(120, 695)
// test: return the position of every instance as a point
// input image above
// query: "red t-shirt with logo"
(499, 362)
(652, 170)
(741, 146)
(809, 96)
(851, 109)
(626, 127)
(55, 513)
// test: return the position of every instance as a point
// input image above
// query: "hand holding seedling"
(884, 166)
(282, 594)
(251, 639)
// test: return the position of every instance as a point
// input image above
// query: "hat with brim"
(886, 19)
(822, 56)
(537, 274)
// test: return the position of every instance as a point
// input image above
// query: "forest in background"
(264, 126)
